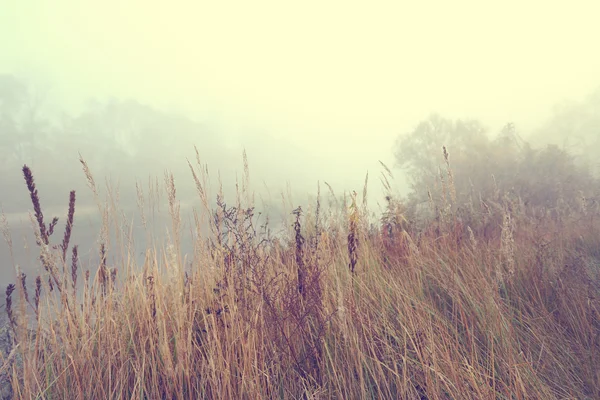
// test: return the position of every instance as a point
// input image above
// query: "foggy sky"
(331, 82)
(314, 90)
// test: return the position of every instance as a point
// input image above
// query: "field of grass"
(504, 304)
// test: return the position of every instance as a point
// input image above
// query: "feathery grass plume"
(317, 223)
(113, 278)
(431, 201)
(103, 270)
(74, 266)
(152, 297)
(299, 241)
(86, 287)
(46, 257)
(69, 225)
(333, 199)
(90, 178)
(174, 212)
(444, 209)
(175, 267)
(385, 177)
(508, 244)
(199, 187)
(102, 210)
(9, 310)
(35, 200)
(246, 181)
(451, 186)
(385, 183)
(386, 168)
(472, 239)
(22, 279)
(52, 226)
(202, 180)
(353, 233)
(38, 292)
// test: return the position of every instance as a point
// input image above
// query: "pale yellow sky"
(339, 79)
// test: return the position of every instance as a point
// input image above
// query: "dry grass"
(333, 308)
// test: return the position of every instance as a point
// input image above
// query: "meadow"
(495, 299)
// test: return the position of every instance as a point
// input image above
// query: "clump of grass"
(256, 316)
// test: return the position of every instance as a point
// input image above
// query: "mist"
(312, 93)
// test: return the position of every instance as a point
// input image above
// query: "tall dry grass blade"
(69, 226)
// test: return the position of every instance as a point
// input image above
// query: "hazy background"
(313, 90)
